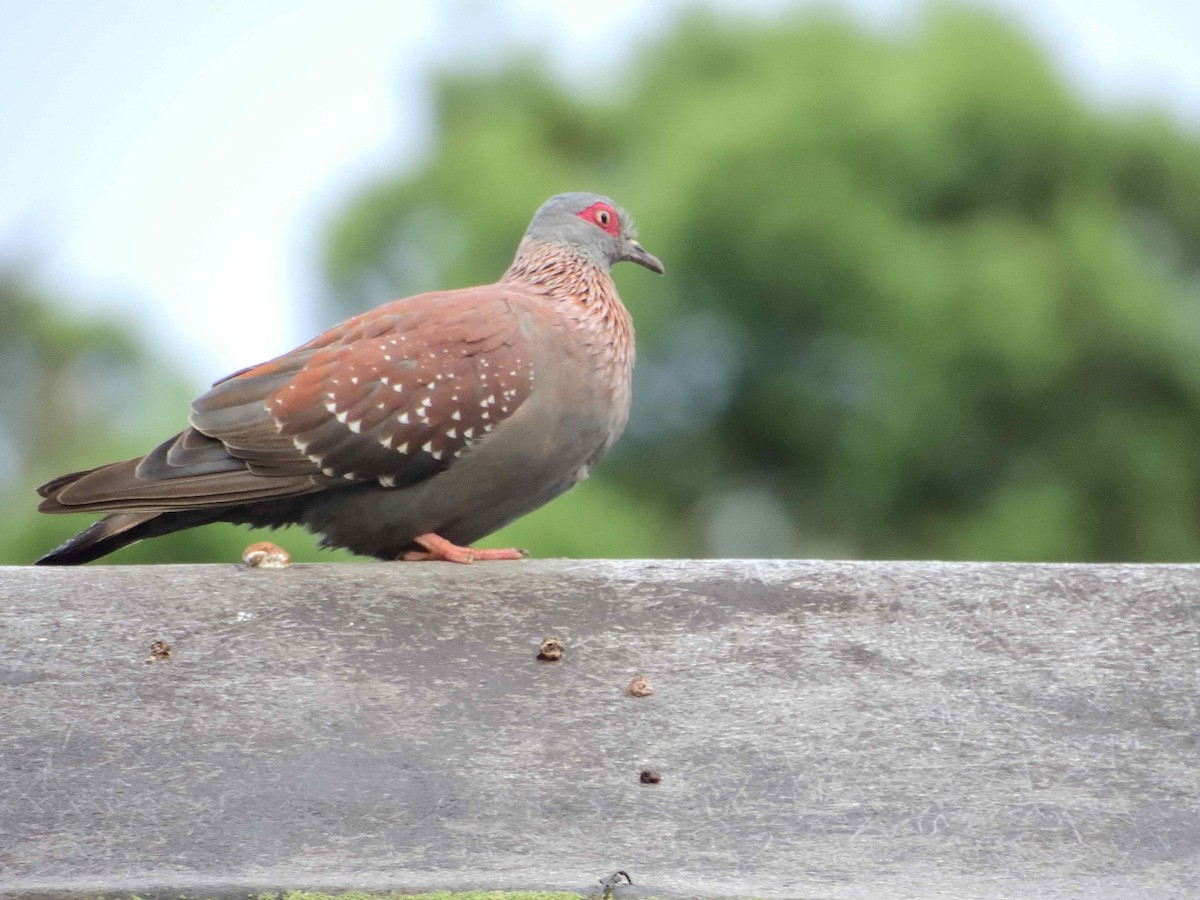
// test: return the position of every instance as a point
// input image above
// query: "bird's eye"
(603, 216)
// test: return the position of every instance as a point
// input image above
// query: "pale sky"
(178, 160)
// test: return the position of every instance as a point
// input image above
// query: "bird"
(407, 432)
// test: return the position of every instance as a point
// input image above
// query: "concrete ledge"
(831, 730)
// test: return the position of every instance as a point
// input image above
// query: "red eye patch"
(604, 216)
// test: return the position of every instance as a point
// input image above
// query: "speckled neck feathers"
(586, 300)
(558, 270)
(583, 288)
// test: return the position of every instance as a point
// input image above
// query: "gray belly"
(526, 462)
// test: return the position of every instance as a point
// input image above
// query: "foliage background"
(922, 301)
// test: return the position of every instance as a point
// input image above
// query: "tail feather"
(118, 487)
(57, 484)
(109, 534)
(122, 529)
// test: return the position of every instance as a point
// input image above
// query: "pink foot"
(438, 548)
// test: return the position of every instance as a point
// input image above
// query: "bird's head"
(592, 226)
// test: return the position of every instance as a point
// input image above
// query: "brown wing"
(393, 396)
(396, 397)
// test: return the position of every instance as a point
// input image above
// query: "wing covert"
(393, 395)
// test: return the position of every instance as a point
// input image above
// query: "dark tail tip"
(109, 534)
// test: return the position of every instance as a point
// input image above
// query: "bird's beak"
(636, 253)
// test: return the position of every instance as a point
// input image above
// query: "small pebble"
(639, 687)
(265, 555)
(159, 650)
(552, 650)
(649, 776)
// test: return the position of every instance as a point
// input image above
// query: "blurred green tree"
(921, 300)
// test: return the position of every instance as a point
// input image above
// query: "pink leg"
(438, 548)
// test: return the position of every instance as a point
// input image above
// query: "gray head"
(593, 226)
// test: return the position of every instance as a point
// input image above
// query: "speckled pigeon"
(409, 431)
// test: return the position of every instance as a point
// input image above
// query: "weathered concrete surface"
(834, 730)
